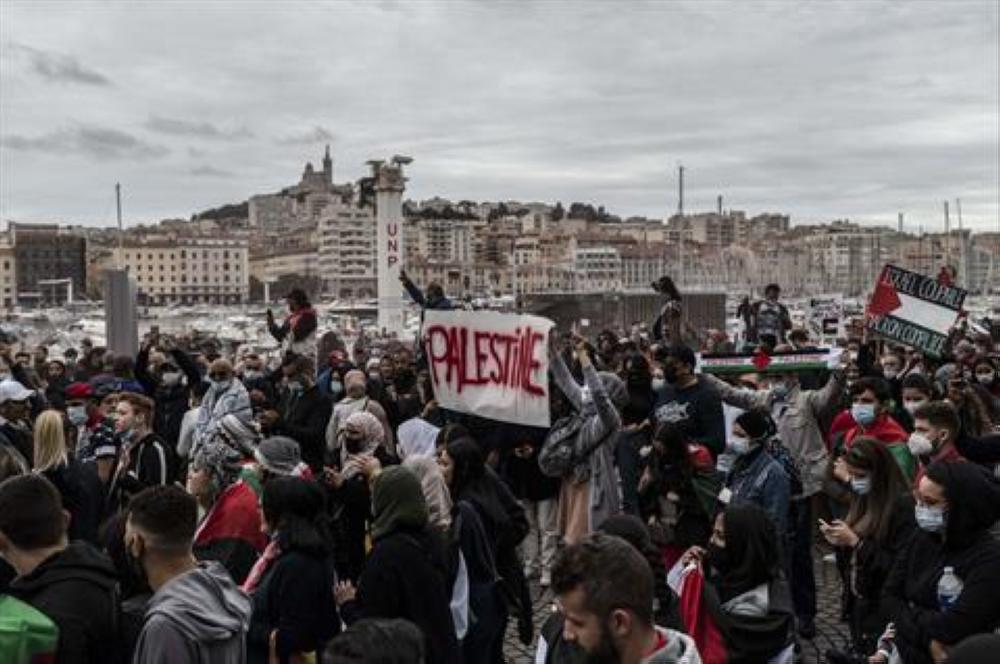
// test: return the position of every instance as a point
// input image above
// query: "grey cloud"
(193, 128)
(211, 171)
(317, 134)
(90, 141)
(60, 68)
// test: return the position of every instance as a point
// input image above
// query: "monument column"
(389, 186)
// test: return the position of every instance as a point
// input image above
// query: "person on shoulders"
(297, 333)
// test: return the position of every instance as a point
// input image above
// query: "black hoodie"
(910, 593)
(76, 588)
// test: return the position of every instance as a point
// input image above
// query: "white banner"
(489, 364)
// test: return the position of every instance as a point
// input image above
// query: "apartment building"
(43, 255)
(596, 269)
(347, 253)
(189, 270)
(8, 274)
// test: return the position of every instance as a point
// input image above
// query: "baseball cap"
(11, 390)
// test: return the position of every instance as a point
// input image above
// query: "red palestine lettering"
(461, 357)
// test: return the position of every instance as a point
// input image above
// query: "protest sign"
(826, 313)
(791, 362)
(489, 364)
(914, 309)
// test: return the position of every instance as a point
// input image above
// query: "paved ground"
(831, 633)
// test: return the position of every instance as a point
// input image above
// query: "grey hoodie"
(200, 617)
(679, 648)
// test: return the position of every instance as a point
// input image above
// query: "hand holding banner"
(489, 364)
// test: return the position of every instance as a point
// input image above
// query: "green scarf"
(398, 502)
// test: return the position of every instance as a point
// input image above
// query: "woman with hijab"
(406, 575)
(878, 525)
(360, 441)
(432, 483)
(745, 589)
(956, 506)
(291, 585)
(230, 530)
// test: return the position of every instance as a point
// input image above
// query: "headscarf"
(221, 462)
(374, 436)
(355, 377)
(973, 500)
(397, 502)
(751, 551)
(434, 487)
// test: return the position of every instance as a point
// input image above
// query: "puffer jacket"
(798, 418)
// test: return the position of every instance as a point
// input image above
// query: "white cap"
(11, 390)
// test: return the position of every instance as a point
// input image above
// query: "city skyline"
(820, 112)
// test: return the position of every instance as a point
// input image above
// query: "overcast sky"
(822, 110)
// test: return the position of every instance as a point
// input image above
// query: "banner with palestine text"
(914, 309)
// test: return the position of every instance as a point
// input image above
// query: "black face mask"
(670, 374)
(717, 558)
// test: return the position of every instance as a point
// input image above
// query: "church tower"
(328, 166)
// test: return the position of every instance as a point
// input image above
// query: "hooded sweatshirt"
(674, 648)
(200, 617)
(910, 592)
(76, 589)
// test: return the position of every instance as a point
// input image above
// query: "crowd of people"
(189, 505)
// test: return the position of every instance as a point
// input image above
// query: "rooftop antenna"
(680, 188)
(961, 245)
(719, 200)
(947, 234)
(121, 232)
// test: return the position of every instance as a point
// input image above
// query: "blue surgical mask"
(658, 384)
(780, 391)
(336, 386)
(928, 518)
(861, 485)
(863, 414)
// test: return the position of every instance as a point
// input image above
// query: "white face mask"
(930, 519)
(658, 383)
(890, 372)
(861, 485)
(171, 378)
(913, 405)
(919, 444)
(986, 378)
(739, 445)
(77, 414)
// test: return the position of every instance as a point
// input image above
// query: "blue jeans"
(627, 459)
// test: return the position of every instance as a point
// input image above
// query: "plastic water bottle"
(949, 588)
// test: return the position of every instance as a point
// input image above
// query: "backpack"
(27, 636)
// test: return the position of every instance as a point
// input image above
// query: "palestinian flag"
(761, 362)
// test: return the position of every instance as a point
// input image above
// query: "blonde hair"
(50, 441)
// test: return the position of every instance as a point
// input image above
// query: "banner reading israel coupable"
(489, 364)
(914, 309)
